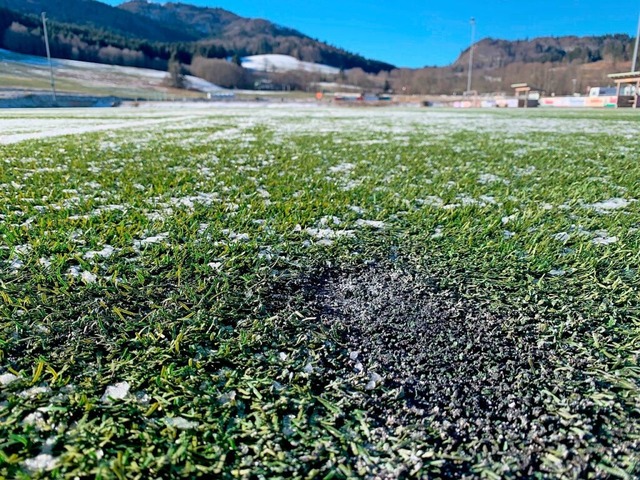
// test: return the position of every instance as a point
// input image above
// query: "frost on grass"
(160, 238)
(74, 271)
(602, 237)
(556, 272)
(36, 420)
(22, 249)
(7, 378)
(236, 237)
(33, 392)
(561, 236)
(509, 218)
(438, 233)
(45, 262)
(329, 220)
(345, 167)
(607, 206)
(409, 354)
(328, 233)
(370, 223)
(430, 201)
(105, 252)
(42, 462)
(88, 277)
(15, 265)
(118, 391)
(489, 178)
(180, 423)
(226, 398)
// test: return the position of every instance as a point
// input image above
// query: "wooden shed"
(523, 92)
(627, 88)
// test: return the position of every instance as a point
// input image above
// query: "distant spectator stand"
(627, 88)
(522, 92)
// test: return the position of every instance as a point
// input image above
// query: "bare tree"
(223, 73)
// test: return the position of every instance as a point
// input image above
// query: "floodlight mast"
(46, 43)
(635, 49)
(473, 34)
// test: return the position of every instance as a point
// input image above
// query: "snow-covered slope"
(95, 74)
(284, 63)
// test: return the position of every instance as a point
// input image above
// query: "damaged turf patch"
(481, 391)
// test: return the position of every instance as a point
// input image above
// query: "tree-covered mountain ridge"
(187, 30)
(147, 34)
(497, 53)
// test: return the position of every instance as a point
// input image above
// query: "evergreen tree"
(176, 78)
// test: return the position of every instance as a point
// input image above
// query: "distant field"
(302, 292)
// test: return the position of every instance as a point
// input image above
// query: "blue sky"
(416, 33)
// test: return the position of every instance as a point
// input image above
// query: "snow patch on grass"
(7, 378)
(180, 423)
(106, 252)
(42, 462)
(118, 391)
(34, 392)
(160, 238)
(370, 223)
(602, 237)
(607, 206)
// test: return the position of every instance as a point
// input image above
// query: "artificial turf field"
(306, 292)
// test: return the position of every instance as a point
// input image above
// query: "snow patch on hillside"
(99, 71)
(284, 63)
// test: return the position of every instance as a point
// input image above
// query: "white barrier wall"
(579, 102)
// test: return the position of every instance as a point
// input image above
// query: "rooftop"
(625, 75)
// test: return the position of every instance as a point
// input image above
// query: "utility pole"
(46, 42)
(635, 49)
(473, 34)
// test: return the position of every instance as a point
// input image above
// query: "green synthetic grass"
(149, 256)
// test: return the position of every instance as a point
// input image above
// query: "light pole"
(473, 34)
(635, 49)
(46, 42)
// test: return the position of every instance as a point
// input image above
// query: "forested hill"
(204, 22)
(99, 16)
(248, 36)
(560, 65)
(23, 33)
(153, 35)
(494, 53)
(139, 33)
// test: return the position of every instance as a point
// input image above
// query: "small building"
(526, 95)
(266, 84)
(627, 88)
(221, 95)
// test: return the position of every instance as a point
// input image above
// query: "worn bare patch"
(476, 385)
